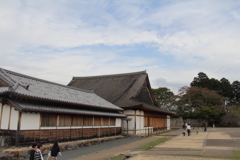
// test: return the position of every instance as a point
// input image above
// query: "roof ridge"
(6, 77)
(111, 75)
(42, 80)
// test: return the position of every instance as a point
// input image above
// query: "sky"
(173, 40)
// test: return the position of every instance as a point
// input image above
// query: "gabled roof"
(124, 90)
(25, 86)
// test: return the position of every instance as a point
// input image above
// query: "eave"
(52, 101)
(145, 108)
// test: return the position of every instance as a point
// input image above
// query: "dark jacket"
(54, 151)
(32, 152)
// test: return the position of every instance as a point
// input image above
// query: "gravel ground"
(69, 154)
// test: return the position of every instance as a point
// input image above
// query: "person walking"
(205, 126)
(38, 153)
(32, 151)
(189, 129)
(183, 130)
(55, 151)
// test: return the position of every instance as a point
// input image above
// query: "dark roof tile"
(36, 88)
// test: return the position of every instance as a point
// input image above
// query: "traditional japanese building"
(132, 92)
(36, 110)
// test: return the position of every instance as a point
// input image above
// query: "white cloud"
(57, 40)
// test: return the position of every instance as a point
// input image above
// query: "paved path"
(107, 154)
(215, 142)
(71, 154)
(156, 157)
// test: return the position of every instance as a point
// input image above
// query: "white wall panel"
(168, 122)
(127, 112)
(14, 119)
(118, 122)
(30, 121)
(138, 112)
(0, 112)
(5, 116)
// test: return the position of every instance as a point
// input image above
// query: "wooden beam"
(1, 117)
(18, 128)
(135, 123)
(9, 118)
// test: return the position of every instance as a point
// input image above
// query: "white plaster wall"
(138, 112)
(140, 121)
(14, 119)
(127, 112)
(142, 124)
(130, 125)
(65, 127)
(168, 121)
(30, 121)
(5, 117)
(139, 124)
(118, 122)
(48, 127)
(103, 127)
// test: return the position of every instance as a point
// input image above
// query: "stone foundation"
(23, 153)
(178, 122)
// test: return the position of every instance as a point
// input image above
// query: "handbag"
(51, 158)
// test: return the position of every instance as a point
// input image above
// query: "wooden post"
(127, 127)
(122, 126)
(1, 116)
(135, 125)
(115, 130)
(148, 125)
(18, 128)
(9, 118)
(109, 127)
(57, 123)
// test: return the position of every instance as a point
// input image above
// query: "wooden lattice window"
(48, 120)
(87, 121)
(145, 121)
(65, 120)
(105, 121)
(97, 121)
(112, 121)
(77, 121)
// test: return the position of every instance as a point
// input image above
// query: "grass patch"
(218, 157)
(236, 154)
(152, 144)
(118, 157)
(204, 156)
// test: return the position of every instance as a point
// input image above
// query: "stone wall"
(22, 153)
(178, 122)
(194, 122)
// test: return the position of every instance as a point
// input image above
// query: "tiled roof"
(121, 89)
(24, 85)
(37, 107)
(3, 89)
(114, 88)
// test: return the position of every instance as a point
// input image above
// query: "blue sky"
(172, 40)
